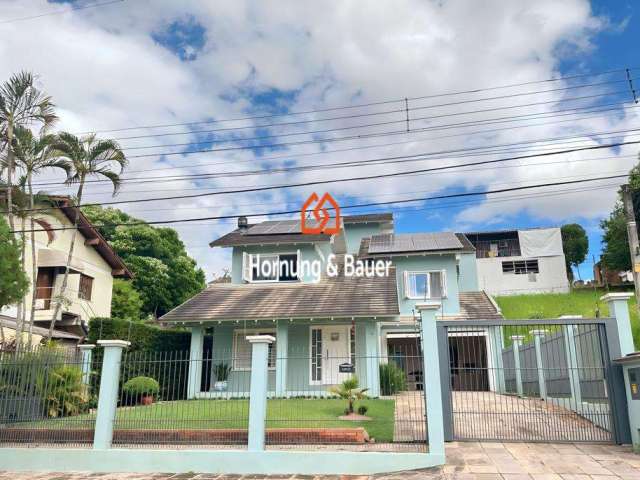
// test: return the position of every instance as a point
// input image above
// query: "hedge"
(143, 337)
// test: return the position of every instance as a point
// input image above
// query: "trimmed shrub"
(392, 379)
(141, 386)
(143, 337)
(362, 410)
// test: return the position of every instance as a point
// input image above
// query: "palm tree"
(33, 155)
(349, 391)
(87, 156)
(21, 105)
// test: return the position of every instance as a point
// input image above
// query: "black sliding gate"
(533, 381)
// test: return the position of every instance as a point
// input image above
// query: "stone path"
(465, 461)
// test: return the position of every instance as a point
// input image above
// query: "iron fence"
(529, 381)
(47, 396)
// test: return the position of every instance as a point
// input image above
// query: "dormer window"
(272, 267)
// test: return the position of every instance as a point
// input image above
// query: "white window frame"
(247, 271)
(443, 277)
(321, 327)
(526, 267)
(246, 332)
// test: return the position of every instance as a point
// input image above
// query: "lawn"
(583, 302)
(228, 414)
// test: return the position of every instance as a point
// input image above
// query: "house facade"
(514, 262)
(93, 267)
(344, 304)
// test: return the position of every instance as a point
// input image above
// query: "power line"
(342, 180)
(370, 104)
(60, 12)
(362, 205)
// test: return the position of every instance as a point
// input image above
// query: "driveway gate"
(548, 381)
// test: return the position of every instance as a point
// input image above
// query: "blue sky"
(159, 62)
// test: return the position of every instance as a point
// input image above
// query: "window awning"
(57, 258)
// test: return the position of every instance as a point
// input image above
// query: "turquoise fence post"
(572, 365)
(282, 344)
(496, 344)
(108, 394)
(619, 309)
(537, 343)
(258, 393)
(195, 362)
(372, 342)
(86, 352)
(517, 341)
(432, 387)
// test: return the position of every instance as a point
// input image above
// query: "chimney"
(243, 224)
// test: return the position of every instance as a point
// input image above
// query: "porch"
(307, 358)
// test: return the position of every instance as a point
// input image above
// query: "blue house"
(337, 305)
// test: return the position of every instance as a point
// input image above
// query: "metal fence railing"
(529, 381)
(48, 396)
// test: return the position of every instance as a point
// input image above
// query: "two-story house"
(327, 324)
(93, 266)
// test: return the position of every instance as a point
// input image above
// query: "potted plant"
(221, 372)
(142, 388)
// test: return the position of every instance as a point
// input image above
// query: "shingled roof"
(338, 297)
(477, 306)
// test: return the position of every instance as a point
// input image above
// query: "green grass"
(552, 305)
(225, 414)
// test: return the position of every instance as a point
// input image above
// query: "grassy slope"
(552, 305)
(222, 414)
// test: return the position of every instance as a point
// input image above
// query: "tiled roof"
(10, 322)
(368, 218)
(331, 297)
(477, 306)
(237, 237)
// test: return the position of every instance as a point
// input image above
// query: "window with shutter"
(242, 349)
(85, 287)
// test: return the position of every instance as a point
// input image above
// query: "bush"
(141, 386)
(63, 391)
(363, 409)
(392, 379)
(221, 371)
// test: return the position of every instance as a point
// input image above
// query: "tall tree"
(33, 155)
(615, 246)
(21, 105)
(575, 245)
(88, 156)
(13, 281)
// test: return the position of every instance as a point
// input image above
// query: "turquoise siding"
(355, 233)
(298, 358)
(451, 304)
(468, 278)
(308, 252)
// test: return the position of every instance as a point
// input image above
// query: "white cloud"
(105, 71)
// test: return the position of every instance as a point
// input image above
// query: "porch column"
(496, 346)
(537, 342)
(431, 374)
(517, 341)
(619, 309)
(372, 359)
(86, 352)
(572, 365)
(195, 361)
(258, 392)
(282, 344)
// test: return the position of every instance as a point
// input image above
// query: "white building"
(512, 262)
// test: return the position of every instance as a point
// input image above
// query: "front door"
(330, 348)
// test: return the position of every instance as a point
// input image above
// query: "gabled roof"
(337, 297)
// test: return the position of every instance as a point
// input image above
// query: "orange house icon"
(321, 215)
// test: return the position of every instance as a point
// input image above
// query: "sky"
(175, 82)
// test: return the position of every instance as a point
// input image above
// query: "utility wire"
(60, 12)
(370, 104)
(362, 205)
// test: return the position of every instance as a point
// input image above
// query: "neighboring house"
(358, 321)
(93, 267)
(66, 339)
(513, 262)
(603, 277)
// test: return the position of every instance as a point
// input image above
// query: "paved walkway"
(465, 461)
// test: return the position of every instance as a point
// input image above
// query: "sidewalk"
(465, 461)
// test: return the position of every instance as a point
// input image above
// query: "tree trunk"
(65, 279)
(34, 266)
(21, 306)
(9, 197)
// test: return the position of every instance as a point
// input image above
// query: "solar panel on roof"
(416, 242)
